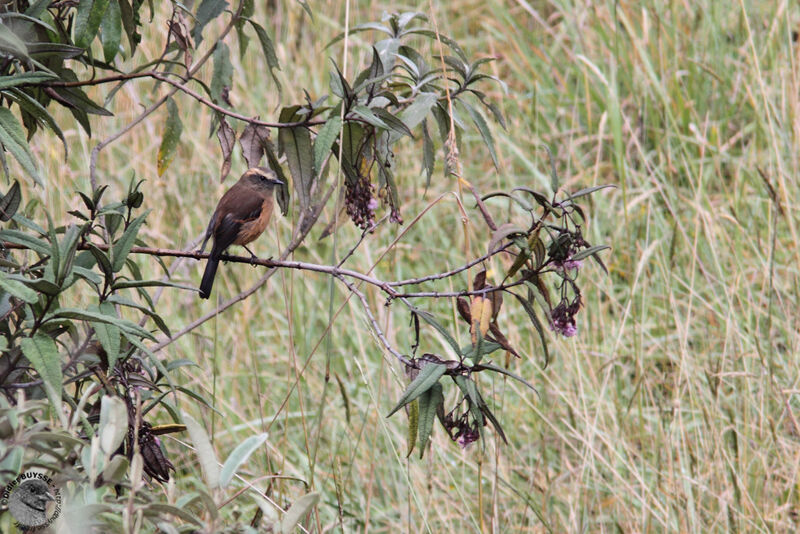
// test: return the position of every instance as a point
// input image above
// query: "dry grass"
(674, 409)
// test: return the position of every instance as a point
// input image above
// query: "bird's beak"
(275, 181)
(48, 496)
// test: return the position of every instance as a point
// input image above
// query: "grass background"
(674, 408)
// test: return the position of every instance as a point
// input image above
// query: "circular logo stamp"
(33, 501)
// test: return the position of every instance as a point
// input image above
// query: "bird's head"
(28, 502)
(260, 178)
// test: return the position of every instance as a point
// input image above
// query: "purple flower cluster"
(562, 318)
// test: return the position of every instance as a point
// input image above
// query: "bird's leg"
(253, 257)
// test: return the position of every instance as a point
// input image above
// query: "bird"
(28, 502)
(241, 216)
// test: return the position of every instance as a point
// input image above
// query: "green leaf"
(126, 326)
(413, 425)
(33, 78)
(394, 124)
(67, 248)
(239, 456)
(282, 193)
(206, 12)
(429, 403)
(269, 52)
(498, 369)
(428, 153)
(122, 301)
(483, 128)
(26, 240)
(113, 425)
(126, 284)
(42, 352)
(157, 509)
(324, 141)
(589, 191)
(418, 109)
(369, 116)
(297, 511)
(129, 24)
(109, 337)
(102, 259)
(470, 390)
(172, 134)
(296, 144)
(205, 451)
(553, 173)
(536, 324)
(121, 249)
(591, 251)
(10, 202)
(11, 44)
(80, 102)
(87, 21)
(111, 31)
(222, 74)
(18, 289)
(32, 106)
(429, 318)
(87, 274)
(427, 377)
(13, 139)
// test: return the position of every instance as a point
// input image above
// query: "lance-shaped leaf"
(483, 128)
(205, 451)
(269, 52)
(121, 249)
(87, 20)
(536, 324)
(427, 377)
(113, 423)
(172, 134)
(429, 403)
(30, 105)
(295, 143)
(324, 141)
(431, 320)
(282, 194)
(42, 352)
(207, 11)
(239, 456)
(18, 289)
(111, 31)
(13, 140)
(498, 369)
(413, 425)
(428, 153)
(418, 109)
(10, 202)
(297, 511)
(591, 251)
(109, 336)
(24, 78)
(222, 74)
(22, 238)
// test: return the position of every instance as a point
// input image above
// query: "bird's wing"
(235, 216)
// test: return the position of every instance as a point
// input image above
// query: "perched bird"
(241, 216)
(28, 502)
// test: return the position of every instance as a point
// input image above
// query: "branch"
(338, 272)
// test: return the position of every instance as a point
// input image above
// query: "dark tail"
(208, 276)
